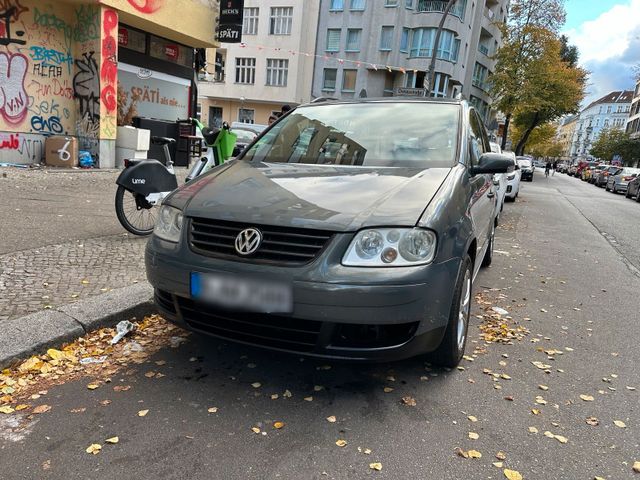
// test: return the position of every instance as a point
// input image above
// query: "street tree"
(542, 140)
(526, 19)
(553, 89)
(616, 142)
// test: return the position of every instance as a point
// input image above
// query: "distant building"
(610, 111)
(633, 123)
(249, 81)
(565, 134)
(379, 48)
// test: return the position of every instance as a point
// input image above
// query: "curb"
(37, 331)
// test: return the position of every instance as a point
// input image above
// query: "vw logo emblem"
(248, 241)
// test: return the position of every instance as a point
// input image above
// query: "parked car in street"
(244, 137)
(526, 168)
(500, 182)
(619, 182)
(349, 230)
(582, 164)
(596, 172)
(633, 189)
(603, 176)
(513, 179)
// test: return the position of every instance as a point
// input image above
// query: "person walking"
(547, 168)
(555, 167)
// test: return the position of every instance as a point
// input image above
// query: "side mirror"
(492, 163)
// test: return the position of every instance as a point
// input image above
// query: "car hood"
(310, 196)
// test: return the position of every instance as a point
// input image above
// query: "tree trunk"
(505, 131)
(525, 138)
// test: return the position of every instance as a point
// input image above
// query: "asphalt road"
(581, 317)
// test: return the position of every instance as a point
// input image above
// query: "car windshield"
(524, 163)
(244, 136)
(630, 171)
(400, 134)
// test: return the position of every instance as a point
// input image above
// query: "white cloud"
(608, 35)
(608, 48)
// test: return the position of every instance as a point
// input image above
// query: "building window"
(408, 4)
(609, 109)
(280, 21)
(433, 6)
(250, 21)
(336, 5)
(246, 70)
(440, 85)
(386, 38)
(410, 80)
(357, 4)
(424, 38)
(277, 71)
(349, 80)
(404, 40)
(390, 3)
(353, 39)
(246, 115)
(389, 80)
(329, 79)
(333, 40)
(480, 73)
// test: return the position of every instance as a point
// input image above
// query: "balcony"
(483, 49)
(438, 6)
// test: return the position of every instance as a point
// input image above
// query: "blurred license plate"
(242, 293)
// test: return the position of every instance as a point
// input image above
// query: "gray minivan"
(349, 230)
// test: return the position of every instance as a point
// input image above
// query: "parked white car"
(513, 179)
(500, 182)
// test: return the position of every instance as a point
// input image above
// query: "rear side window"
(479, 141)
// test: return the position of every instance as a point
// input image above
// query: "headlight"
(169, 224)
(391, 247)
(511, 177)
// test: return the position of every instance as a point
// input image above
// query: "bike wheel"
(134, 212)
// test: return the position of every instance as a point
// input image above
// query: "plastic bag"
(123, 327)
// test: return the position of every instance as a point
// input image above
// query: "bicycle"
(144, 183)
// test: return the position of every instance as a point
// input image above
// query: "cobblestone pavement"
(60, 239)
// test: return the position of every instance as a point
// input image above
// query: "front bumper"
(375, 314)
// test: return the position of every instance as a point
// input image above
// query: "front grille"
(165, 301)
(260, 329)
(280, 245)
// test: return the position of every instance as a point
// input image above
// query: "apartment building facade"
(633, 123)
(247, 82)
(610, 111)
(565, 134)
(379, 48)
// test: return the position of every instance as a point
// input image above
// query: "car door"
(483, 200)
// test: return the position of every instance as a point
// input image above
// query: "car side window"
(476, 140)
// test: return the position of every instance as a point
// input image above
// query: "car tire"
(488, 255)
(613, 189)
(606, 187)
(626, 194)
(451, 348)
(638, 196)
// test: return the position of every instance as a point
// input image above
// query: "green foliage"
(614, 141)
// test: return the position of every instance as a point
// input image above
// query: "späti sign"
(230, 22)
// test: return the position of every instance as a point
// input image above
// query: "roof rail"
(324, 99)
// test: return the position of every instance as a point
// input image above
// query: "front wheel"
(451, 349)
(134, 212)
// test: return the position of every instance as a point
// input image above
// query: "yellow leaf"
(561, 439)
(636, 467)
(84, 282)
(274, 396)
(498, 464)
(287, 394)
(55, 354)
(501, 456)
(331, 419)
(410, 401)
(387, 389)
(474, 436)
(256, 384)
(41, 409)
(278, 425)
(317, 388)
(308, 399)
(617, 423)
(142, 413)
(255, 429)
(587, 398)
(543, 387)
(341, 443)
(512, 474)
(474, 454)
(472, 418)
(375, 466)
(94, 448)
(533, 430)
(6, 409)
(535, 411)
(112, 440)
(22, 406)
(92, 386)
(212, 409)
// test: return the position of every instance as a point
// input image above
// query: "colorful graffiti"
(86, 27)
(146, 6)
(13, 96)
(109, 72)
(5, 27)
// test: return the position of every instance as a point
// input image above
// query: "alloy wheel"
(465, 309)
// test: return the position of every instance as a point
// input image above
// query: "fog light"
(389, 255)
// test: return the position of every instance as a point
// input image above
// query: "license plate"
(242, 293)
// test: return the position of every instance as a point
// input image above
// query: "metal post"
(431, 72)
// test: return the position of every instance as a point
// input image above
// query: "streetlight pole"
(430, 76)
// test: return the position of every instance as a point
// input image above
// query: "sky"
(607, 34)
